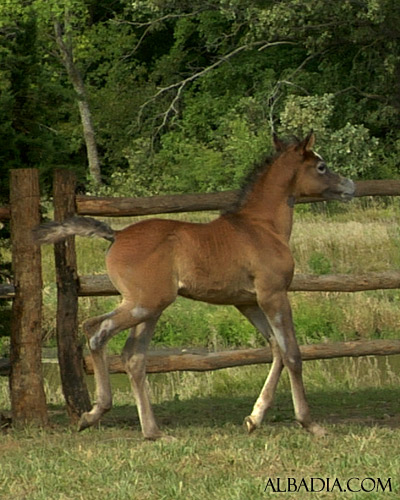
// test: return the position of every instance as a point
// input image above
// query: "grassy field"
(207, 453)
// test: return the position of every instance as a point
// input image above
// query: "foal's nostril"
(348, 189)
(350, 186)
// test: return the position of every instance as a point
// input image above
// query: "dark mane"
(253, 176)
(249, 181)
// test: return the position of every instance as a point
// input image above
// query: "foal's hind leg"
(134, 357)
(264, 401)
(98, 331)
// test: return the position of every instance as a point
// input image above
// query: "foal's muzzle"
(344, 191)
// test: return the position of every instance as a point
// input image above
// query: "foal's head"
(313, 177)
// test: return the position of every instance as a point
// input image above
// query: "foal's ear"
(279, 145)
(308, 143)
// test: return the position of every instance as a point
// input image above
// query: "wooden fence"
(26, 292)
(26, 384)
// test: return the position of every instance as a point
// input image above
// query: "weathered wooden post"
(70, 354)
(28, 401)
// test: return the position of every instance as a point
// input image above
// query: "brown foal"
(241, 258)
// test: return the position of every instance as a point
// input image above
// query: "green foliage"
(184, 95)
(233, 144)
(350, 150)
(304, 113)
(317, 322)
(354, 152)
(188, 324)
(34, 103)
(319, 263)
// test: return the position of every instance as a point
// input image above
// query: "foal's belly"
(218, 295)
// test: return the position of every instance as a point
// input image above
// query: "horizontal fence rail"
(7, 291)
(100, 284)
(196, 360)
(162, 362)
(121, 207)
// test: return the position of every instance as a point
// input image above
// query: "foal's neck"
(271, 199)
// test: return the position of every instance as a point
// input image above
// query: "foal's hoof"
(84, 422)
(154, 436)
(317, 430)
(167, 439)
(249, 425)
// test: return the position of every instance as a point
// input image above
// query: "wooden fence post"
(70, 354)
(28, 401)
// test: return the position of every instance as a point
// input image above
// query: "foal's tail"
(51, 232)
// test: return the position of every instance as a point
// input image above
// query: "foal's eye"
(321, 167)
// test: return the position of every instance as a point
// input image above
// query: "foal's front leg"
(278, 312)
(266, 397)
(264, 401)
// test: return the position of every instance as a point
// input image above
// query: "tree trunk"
(83, 103)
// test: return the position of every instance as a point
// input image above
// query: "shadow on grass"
(369, 407)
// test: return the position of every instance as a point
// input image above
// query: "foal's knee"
(136, 367)
(293, 361)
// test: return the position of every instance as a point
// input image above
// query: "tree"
(28, 94)
(184, 95)
(65, 46)
(352, 59)
(44, 30)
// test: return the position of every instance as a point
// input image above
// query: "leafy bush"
(350, 149)
(301, 114)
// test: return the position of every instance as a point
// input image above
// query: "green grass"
(211, 456)
(357, 401)
(204, 462)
